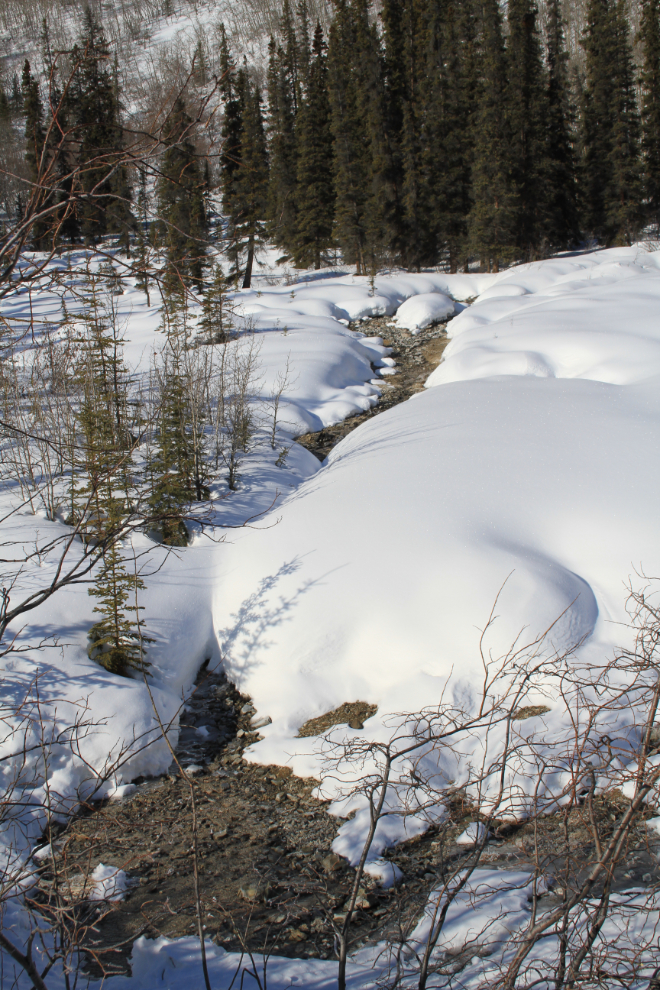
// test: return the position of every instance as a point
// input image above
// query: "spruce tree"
(244, 170)
(316, 197)
(116, 640)
(215, 323)
(611, 188)
(561, 227)
(650, 85)
(526, 109)
(183, 224)
(63, 145)
(492, 220)
(281, 128)
(35, 139)
(624, 213)
(230, 156)
(176, 470)
(365, 168)
(417, 241)
(446, 98)
(253, 182)
(96, 116)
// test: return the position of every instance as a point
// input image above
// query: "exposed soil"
(416, 357)
(268, 878)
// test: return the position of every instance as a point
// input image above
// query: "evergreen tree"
(96, 115)
(313, 232)
(561, 226)
(116, 640)
(415, 104)
(650, 83)
(35, 140)
(63, 147)
(253, 177)
(610, 167)
(230, 157)
(446, 100)
(215, 323)
(244, 168)
(365, 167)
(492, 220)
(181, 202)
(527, 112)
(175, 465)
(282, 151)
(142, 239)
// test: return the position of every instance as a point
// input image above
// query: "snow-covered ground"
(527, 468)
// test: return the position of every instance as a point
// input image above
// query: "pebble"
(332, 862)
(253, 892)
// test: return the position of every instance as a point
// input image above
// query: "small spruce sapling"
(215, 323)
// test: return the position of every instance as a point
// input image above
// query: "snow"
(110, 884)
(525, 469)
(421, 311)
(473, 834)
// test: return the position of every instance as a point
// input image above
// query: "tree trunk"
(247, 281)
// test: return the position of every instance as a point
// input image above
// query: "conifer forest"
(329, 538)
(411, 133)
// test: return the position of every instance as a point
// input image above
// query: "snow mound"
(421, 311)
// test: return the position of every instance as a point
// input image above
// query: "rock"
(280, 797)
(259, 723)
(356, 723)
(363, 901)
(254, 892)
(248, 709)
(193, 769)
(296, 935)
(332, 862)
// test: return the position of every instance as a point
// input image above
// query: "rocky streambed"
(268, 879)
(416, 356)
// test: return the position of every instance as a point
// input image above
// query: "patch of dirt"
(352, 713)
(416, 356)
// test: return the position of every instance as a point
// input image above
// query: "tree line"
(439, 132)
(442, 132)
